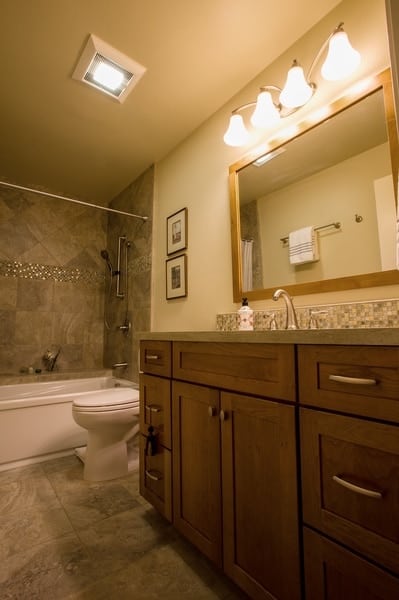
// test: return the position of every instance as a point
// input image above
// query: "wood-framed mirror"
(341, 168)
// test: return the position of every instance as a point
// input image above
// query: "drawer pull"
(154, 475)
(154, 408)
(211, 411)
(352, 380)
(357, 488)
(152, 357)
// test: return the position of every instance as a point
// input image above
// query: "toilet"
(111, 418)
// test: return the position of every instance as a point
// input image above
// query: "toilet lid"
(108, 398)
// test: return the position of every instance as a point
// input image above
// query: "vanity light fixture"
(274, 103)
(106, 69)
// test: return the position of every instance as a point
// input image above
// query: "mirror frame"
(381, 81)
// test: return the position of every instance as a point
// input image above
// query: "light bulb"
(265, 114)
(236, 134)
(342, 59)
(297, 90)
(108, 76)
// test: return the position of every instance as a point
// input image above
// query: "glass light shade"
(108, 76)
(296, 91)
(236, 134)
(342, 59)
(265, 114)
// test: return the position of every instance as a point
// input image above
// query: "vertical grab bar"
(119, 294)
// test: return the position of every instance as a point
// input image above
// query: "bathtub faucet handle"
(50, 358)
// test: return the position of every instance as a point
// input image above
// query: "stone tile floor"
(64, 538)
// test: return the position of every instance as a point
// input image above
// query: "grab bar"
(118, 365)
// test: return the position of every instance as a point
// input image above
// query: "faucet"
(50, 358)
(291, 321)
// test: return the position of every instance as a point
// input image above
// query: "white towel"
(303, 246)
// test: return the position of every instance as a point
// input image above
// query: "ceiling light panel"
(108, 70)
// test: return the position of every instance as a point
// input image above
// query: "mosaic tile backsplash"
(356, 315)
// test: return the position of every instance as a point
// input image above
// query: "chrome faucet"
(50, 358)
(291, 321)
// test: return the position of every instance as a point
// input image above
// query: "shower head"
(105, 256)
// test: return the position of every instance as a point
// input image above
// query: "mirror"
(337, 174)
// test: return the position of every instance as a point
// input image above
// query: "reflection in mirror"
(335, 178)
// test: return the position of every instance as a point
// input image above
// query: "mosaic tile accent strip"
(356, 315)
(50, 272)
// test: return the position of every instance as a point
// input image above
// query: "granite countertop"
(364, 337)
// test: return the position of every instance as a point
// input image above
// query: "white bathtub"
(36, 418)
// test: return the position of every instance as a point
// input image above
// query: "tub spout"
(291, 321)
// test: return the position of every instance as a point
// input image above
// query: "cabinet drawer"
(156, 357)
(263, 369)
(360, 380)
(155, 408)
(334, 573)
(156, 479)
(350, 482)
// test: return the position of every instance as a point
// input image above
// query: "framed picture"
(176, 231)
(176, 277)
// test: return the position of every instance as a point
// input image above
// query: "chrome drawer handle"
(154, 475)
(154, 408)
(357, 488)
(152, 357)
(352, 380)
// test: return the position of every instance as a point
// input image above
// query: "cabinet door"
(350, 483)
(196, 467)
(155, 408)
(334, 573)
(260, 510)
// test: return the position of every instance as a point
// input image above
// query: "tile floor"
(64, 538)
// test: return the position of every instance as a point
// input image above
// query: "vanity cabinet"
(155, 419)
(234, 461)
(350, 470)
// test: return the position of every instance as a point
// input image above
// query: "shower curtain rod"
(113, 210)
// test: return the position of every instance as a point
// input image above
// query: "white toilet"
(111, 417)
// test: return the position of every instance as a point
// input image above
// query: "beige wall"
(335, 194)
(195, 176)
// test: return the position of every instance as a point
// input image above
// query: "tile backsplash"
(354, 315)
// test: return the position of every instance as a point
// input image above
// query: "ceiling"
(64, 136)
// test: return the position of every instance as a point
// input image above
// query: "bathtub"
(36, 418)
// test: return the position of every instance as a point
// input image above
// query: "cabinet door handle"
(352, 380)
(154, 408)
(154, 475)
(223, 415)
(211, 411)
(152, 357)
(357, 489)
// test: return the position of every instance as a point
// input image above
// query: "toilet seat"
(107, 400)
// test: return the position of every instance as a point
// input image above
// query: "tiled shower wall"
(52, 278)
(135, 307)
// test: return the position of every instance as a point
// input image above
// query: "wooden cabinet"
(155, 418)
(235, 473)
(332, 572)
(350, 470)
(260, 508)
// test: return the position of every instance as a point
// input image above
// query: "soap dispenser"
(245, 317)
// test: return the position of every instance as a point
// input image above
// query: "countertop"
(365, 337)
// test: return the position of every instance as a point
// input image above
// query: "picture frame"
(176, 277)
(176, 231)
